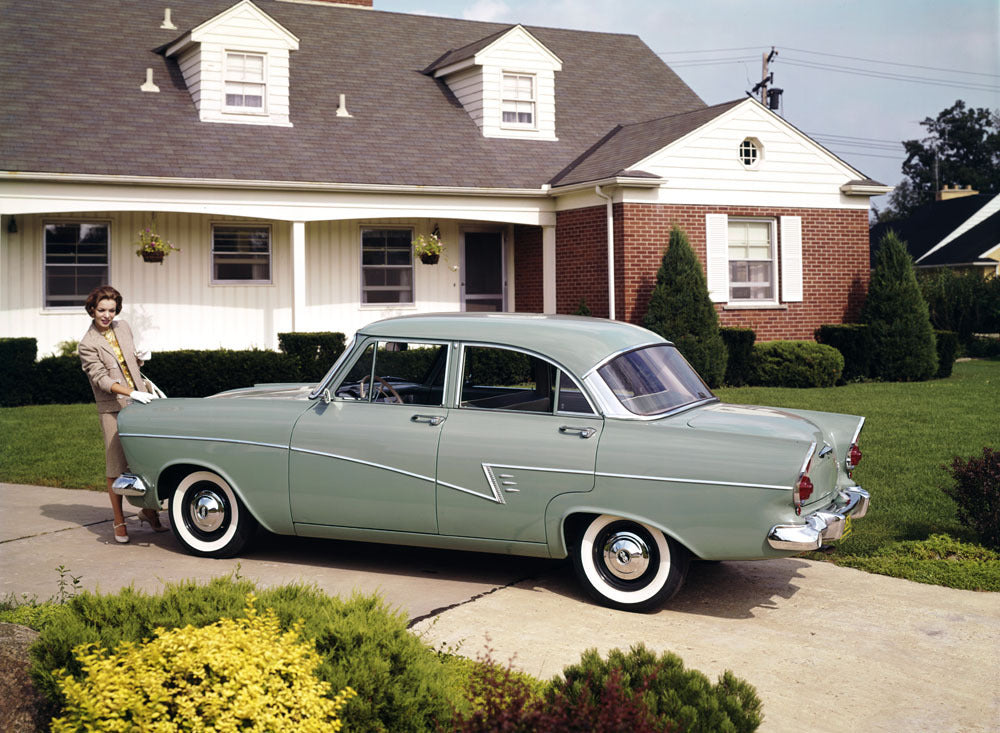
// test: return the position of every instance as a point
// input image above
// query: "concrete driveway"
(828, 648)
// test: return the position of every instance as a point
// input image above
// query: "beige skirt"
(114, 456)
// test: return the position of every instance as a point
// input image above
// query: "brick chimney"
(955, 192)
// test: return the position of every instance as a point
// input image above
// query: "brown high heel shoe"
(152, 518)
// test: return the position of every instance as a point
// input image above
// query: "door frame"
(484, 229)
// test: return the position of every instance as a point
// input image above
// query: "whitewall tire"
(208, 517)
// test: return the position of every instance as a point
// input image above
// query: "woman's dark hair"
(103, 292)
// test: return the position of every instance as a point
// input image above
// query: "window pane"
(386, 266)
(502, 379)
(76, 261)
(241, 253)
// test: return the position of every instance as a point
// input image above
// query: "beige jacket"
(102, 368)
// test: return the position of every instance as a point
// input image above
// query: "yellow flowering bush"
(234, 675)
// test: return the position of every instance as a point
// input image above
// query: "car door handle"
(432, 419)
(582, 432)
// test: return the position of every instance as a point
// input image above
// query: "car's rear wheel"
(629, 565)
(208, 517)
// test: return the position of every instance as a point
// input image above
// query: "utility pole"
(769, 98)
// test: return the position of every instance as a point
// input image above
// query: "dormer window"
(246, 89)
(518, 102)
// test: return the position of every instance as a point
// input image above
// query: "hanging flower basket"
(428, 248)
(152, 247)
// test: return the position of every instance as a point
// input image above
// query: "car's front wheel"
(628, 565)
(208, 517)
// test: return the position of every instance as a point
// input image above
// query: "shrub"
(680, 310)
(191, 373)
(977, 494)
(903, 347)
(17, 355)
(233, 674)
(983, 348)
(61, 380)
(796, 364)
(315, 351)
(966, 303)
(947, 350)
(402, 684)
(854, 342)
(739, 348)
(583, 309)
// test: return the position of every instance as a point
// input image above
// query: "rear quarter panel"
(244, 441)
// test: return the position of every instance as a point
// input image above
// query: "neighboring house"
(292, 150)
(960, 231)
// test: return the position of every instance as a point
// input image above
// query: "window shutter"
(717, 256)
(791, 258)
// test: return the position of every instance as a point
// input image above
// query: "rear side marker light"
(853, 457)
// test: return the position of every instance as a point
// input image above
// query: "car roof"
(576, 342)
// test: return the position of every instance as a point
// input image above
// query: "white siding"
(175, 306)
(705, 168)
(467, 86)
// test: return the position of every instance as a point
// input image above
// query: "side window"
(503, 379)
(241, 254)
(398, 372)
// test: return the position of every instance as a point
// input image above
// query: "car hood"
(268, 391)
(746, 419)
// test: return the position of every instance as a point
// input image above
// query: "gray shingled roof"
(71, 73)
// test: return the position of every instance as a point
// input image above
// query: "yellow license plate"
(847, 528)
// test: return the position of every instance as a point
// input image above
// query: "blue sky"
(833, 57)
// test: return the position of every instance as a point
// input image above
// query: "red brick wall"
(834, 261)
(528, 295)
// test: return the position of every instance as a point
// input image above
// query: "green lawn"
(912, 429)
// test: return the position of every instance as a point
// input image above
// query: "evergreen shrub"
(190, 373)
(976, 491)
(903, 345)
(966, 302)
(739, 348)
(316, 351)
(402, 684)
(61, 380)
(17, 355)
(796, 364)
(854, 342)
(981, 347)
(947, 351)
(681, 311)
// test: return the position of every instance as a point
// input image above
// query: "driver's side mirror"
(325, 396)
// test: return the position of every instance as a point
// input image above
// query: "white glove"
(143, 397)
(143, 356)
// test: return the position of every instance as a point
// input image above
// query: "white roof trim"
(486, 50)
(290, 39)
(990, 208)
(865, 189)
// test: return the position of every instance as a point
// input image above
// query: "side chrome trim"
(384, 467)
(854, 438)
(672, 479)
(204, 438)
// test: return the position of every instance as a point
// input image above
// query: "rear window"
(654, 380)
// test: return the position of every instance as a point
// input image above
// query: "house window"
(241, 254)
(750, 152)
(386, 266)
(517, 104)
(245, 84)
(751, 260)
(76, 261)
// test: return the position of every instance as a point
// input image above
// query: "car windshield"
(653, 380)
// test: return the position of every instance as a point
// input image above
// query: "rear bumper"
(826, 524)
(129, 485)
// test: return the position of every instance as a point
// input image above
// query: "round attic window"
(750, 152)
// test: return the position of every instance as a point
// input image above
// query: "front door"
(483, 278)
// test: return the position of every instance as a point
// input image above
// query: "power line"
(889, 75)
(893, 63)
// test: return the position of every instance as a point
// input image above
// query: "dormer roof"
(479, 52)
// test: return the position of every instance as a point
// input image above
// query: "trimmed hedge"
(739, 344)
(854, 342)
(60, 380)
(316, 351)
(796, 364)
(202, 373)
(981, 347)
(947, 351)
(17, 355)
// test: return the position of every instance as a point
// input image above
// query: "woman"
(108, 356)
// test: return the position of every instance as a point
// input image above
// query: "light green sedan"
(548, 436)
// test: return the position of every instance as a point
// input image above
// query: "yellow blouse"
(112, 339)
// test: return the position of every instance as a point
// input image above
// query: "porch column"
(298, 274)
(548, 269)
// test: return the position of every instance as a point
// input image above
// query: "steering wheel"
(383, 385)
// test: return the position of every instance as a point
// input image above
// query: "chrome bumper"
(129, 485)
(827, 524)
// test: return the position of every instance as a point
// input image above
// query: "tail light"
(803, 489)
(853, 458)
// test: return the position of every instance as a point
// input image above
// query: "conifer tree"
(680, 310)
(903, 343)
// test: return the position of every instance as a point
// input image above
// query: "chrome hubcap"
(626, 555)
(208, 511)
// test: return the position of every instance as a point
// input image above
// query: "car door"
(367, 458)
(522, 433)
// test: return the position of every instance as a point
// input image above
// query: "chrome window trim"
(332, 371)
(673, 479)
(205, 438)
(616, 354)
